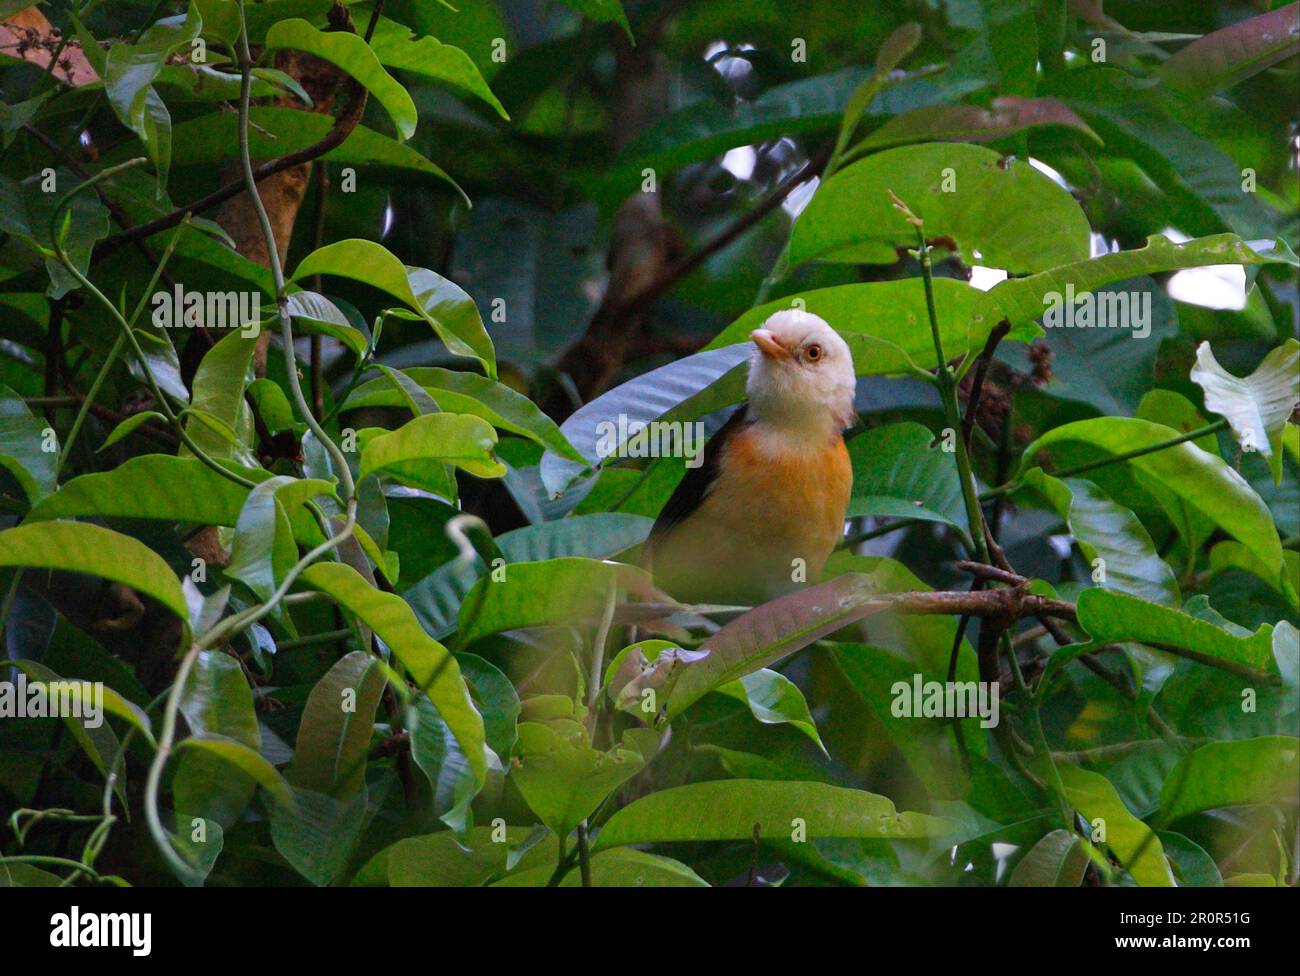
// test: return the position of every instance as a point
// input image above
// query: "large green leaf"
(1113, 618)
(1022, 300)
(247, 760)
(1131, 841)
(1108, 531)
(897, 473)
(437, 598)
(444, 305)
(734, 809)
(568, 591)
(22, 448)
(1229, 774)
(468, 393)
(1006, 215)
(334, 735)
(263, 548)
(1258, 406)
(155, 486)
(275, 131)
(446, 859)
(217, 701)
(218, 391)
(1184, 477)
(623, 868)
(428, 57)
(129, 73)
(81, 547)
(459, 439)
(563, 779)
(350, 53)
(429, 664)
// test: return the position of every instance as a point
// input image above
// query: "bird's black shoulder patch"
(695, 485)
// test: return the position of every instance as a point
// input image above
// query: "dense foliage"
(331, 492)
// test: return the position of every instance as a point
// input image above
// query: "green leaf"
(276, 131)
(622, 868)
(1193, 866)
(314, 313)
(1258, 406)
(1106, 530)
(732, 809)
(1113, 618)
(604, 11)
(98, 742)
(22, 453)
(247, 760)
(427, 57)
(154, 486)
(1056, 861)
(570, 591)
(772, 631)
(897, 473)
(218, 389)
(1008, 116)
(459, 439)
(129, 73)
(217, 701)
(1022, 300)
(318, 835)
(437, 598)
(562, 778)
(351, 54)
(128, 426)
(1234, 53)
(1184, 477)
(440, 757)
(81, 547)
(774, 699)
(444, 305)
(429, 664)
(1010, 217)
(461, 392)
(1229, 555)
(1010, 29)
(1130, 840)
(334, 735)
(447, 860)
(85, 693)
(263, 549)
(1230, 774)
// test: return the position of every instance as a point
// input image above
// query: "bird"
(763, 511)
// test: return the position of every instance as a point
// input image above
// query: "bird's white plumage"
(794, 392)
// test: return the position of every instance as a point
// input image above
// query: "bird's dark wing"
(695, 485)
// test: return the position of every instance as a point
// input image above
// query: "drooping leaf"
(1056, 861)
(81, 547)
(334, 736)
(624, 868)
(733, 809)
(459, 439)
(428, 57)
(444, 305)
(429, 664)
(350, 53)
(23, 448)
(774, 699)
(1184, 476)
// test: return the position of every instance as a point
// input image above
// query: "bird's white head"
(801, 374)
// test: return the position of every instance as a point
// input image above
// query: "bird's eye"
(813, 352)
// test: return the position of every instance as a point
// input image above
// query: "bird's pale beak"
(768, 344)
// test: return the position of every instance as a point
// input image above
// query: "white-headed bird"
(767, 506)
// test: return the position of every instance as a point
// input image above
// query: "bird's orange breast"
(769, 521)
